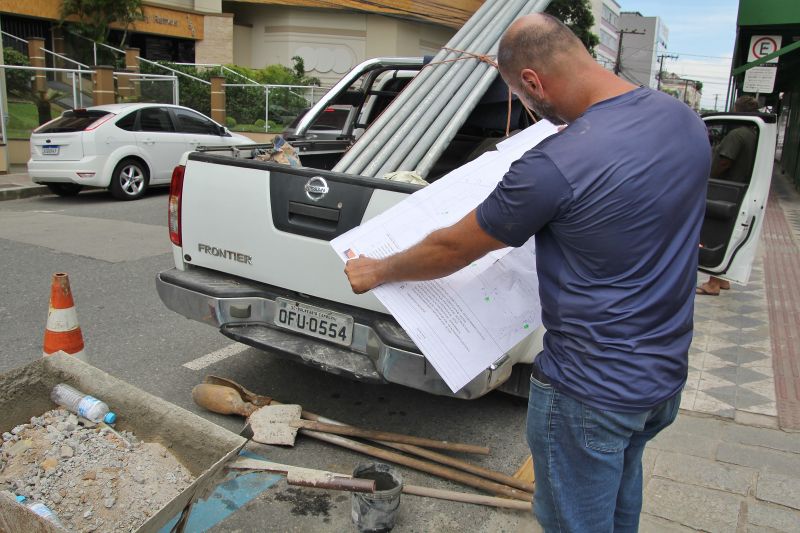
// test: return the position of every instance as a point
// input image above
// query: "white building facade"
(330, 41)
(606, 27)
(640, 50)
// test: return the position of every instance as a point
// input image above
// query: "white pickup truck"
(250, 241)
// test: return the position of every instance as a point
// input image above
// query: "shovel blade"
(272, 424)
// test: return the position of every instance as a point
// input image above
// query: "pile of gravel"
(94, 479)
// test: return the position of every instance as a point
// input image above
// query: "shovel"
(307, 477)
(278, 424)
(345, 482)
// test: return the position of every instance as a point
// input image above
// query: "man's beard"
(543, 109)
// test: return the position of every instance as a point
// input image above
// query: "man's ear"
(531, 81)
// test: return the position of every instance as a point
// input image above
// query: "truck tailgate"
(273, 223)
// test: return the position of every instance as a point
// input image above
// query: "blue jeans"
(588, 462)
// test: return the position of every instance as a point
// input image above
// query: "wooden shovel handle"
(423, 466)
(351, 431)
(465, 497)
(500, 477)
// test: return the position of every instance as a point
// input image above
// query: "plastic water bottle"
(40, 509)
(82, 404)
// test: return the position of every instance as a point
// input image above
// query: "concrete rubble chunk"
(85, 478)
(19, 447)
(49, 464)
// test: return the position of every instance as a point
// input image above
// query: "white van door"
(743, 151)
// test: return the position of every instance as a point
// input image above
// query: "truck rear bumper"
(381, 351)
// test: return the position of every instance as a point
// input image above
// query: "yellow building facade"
(331, 37)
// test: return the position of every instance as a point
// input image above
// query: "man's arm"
(727, 153)
(721, 166)
(438, 255)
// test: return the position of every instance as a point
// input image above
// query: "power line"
(661, 59)
(643, 49)
(622, 33)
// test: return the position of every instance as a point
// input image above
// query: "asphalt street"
(112, 251)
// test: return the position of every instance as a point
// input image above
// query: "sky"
(702, 33)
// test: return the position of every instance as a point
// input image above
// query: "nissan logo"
(316, 188)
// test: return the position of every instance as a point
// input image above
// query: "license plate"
(50, 150)
(314, 321)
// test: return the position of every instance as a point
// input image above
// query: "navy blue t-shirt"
(616, 201)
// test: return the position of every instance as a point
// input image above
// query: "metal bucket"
(377, 512)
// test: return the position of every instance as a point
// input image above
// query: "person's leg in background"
(713, 286)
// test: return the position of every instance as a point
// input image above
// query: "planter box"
(201, 446)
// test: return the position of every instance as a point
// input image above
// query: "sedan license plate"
(50, 149)
(314, 321)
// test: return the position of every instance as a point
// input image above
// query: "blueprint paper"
(466, 321)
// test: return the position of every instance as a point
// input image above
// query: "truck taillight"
(174, 216)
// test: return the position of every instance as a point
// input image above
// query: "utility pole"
(622, 33)
(661, 59)
(716, 97)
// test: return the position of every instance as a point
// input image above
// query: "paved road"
(112, 251)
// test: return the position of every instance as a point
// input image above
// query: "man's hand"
(364, 273)
(438, 255)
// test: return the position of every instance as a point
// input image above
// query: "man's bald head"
(540, 42)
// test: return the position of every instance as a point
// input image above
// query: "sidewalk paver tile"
(782, 263)
(653, 524)
(762, 517)
(766, 438)
(685, 443)
(695, 507)
(780, 489)
(711, 428)
(761, 458)
(705, 472)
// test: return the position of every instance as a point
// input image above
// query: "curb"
(16, 193)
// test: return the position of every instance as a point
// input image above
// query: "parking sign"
(763, 45)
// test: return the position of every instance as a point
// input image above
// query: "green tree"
(93, 18)
(577, 14)
(18, 82)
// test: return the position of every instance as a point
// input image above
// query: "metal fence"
(250, 104)
(67, 89)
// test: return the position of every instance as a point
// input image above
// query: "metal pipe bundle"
(373, 138)
(419, 124)
(434, 100)
(431, 146)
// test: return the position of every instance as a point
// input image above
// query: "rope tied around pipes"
(492, 62)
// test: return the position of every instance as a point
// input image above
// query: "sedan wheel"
(129, 181)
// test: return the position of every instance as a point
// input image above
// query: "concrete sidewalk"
(709, 474)
(16, 184)
(731, 461)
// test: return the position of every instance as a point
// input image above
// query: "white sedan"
(124, 147)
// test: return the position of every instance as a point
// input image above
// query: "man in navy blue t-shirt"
(615, 202)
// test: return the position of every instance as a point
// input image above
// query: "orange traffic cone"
(63, 332)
